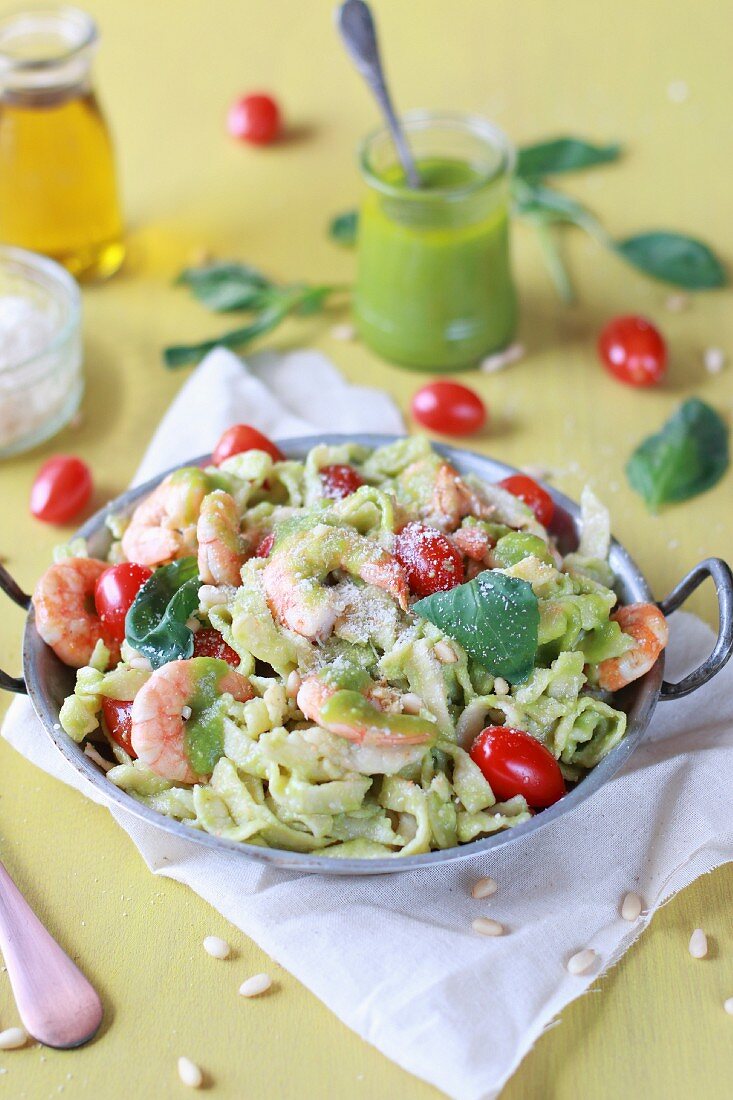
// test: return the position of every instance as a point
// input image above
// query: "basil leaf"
(674, 258)
(181, 354)
(344, 227)
(155, 625)
(222, 287)
(536, 201)
(564, 154)
(689, 455)
(494, 617)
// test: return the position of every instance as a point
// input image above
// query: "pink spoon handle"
(56, 1003)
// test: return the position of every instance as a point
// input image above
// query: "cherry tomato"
(254, 118)
(633, 350)
(339, 481)
(62, 488)
(533, 495)
(431, 561)
(513, 762)
(118, 719)
(265, 545)
(208, 642)
(114, 594)
(243, 437)
(449, 408)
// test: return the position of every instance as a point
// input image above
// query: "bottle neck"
(46, 55)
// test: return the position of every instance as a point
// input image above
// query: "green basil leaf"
(674, 258)
(222, 287)
(536, 201)
(181, 354)
(344, 227)
(689, 455)
(494, 617)
(155, 625)
(564, 154)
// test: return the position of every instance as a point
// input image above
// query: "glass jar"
(40, 349)
(434, 287)
(58, 190)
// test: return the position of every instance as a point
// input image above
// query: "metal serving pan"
(47, 681)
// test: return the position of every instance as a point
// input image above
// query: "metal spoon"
(56, 1003)
(356, 24)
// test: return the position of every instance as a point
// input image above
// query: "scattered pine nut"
(676, 303)
(292, 684)
(501, 359)
(12, 1038)
(485, 926)
(714, 359)
(186, 713)
(216, 947)
(411, 703)
(728, 1006)
(501, 687)
(631, 907)
(698, 944)
(445, 653)
(190, 1073)
(677, 91)
(258, 983)
(343, 332)
(484, 888)
(582, 961)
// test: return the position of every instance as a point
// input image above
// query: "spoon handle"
(56, 1003)
(356, 25)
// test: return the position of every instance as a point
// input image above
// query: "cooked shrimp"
(646, 624)
(453, 499)
(163, 527)
(293, 577)
(361, 715)
(474, 542)
(65, 615)
(158, 729)
(222, 549)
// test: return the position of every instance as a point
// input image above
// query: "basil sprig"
(344, 227)
(494, 617)
(687, 456)
(155, 625)
(224, 287)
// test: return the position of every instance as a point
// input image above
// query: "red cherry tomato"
(208, 642)
(240, 438)
(62, 488)
(265, 545)
(533, 495)
(432, 563)
(633, 350)
(254, 118)
(339, 481)
(513, 762)
(114, 594)
(449, 408)
(118, 719)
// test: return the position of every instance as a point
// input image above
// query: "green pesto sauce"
(350, 708)
(205, 728)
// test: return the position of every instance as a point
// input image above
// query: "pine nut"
(501, 687)
(216, 947)
(728, 1006)
(445, 653)
(698, 944)
(292, 684)
(12, 1038)
(186, 713)
(343, 332)
(255, 985)
(411, 703)
(714, 359)
(582, 961)
(485, 926)
(483, 888)
(631, 907)
(190, 1073)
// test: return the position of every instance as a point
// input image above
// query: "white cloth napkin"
(394, 956)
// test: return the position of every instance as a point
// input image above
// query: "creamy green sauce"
(205, 728)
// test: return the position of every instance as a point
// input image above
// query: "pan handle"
(17, 595)
(721, 574)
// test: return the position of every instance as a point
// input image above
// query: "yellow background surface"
(167, 72)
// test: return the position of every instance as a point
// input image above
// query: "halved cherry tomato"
(114, 595)
(62, 488)
(254, 118)
(243, 437)
(339, 481)
(264, 547)
(118, 719)
(431, 561)
(533, 495)
(208, 642)
(633, 350)
(449, 408)
(513, 762)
